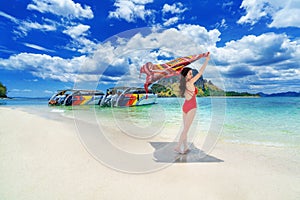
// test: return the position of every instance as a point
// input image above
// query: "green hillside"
(2, 91)
(170, 88)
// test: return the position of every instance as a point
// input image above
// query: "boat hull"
(76, 97)
(136, 100)
(124, 97)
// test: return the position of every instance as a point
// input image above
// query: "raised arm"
(197, 76)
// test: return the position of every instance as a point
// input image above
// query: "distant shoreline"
(215, 97)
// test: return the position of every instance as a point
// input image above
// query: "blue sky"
(48, 45)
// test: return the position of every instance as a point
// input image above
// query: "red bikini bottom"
(189, 104)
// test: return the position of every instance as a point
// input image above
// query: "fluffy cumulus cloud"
(44, 66)
(172, 13)
(254, 61)
(288, 16)
(247, 64)
(282, 13)
(255, 10)
(77, 31)
(65, 8)
(200, 35)
(118, 60)
(124, 57)
(174, 8)
(79, 42)
(131, 10)
(257, 50)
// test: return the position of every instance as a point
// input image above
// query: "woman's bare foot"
(186, 150)
(177, 150)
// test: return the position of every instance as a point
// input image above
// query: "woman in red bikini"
(189, 91)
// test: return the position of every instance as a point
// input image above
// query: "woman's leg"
(181, 138)
(187, 122)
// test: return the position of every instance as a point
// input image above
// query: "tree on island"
(3, 91)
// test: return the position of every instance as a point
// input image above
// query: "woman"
(189, 91)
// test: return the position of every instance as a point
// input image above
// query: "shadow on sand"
(164, 152)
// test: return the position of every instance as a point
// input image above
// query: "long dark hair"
(182, 85)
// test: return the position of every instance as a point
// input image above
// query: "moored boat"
(114, 97)
(128, 96)
(73, 97)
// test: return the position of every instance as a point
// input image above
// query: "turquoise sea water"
(271, 121)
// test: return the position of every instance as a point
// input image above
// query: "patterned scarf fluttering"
(155, 72)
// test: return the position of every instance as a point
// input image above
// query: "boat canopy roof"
(80, 91)
(134, 90)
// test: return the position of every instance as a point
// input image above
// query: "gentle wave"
(268, 144)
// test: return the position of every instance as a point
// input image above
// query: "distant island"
(3, 91)
(170, 88)
(281, 94)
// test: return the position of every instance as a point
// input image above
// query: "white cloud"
(185, 40)
(80, 43)
(34, 25)
(131, 10)
(85, 45)
(288, 16)
(175, 8)
(76, 31)
(199, 35)
(246, 64)
(48, 92)
(34, 46)
(125, 56)
(171, 21)
(44, 66)
(255, 10)
(282, 13)
(257, 50)
(25, 26)
(65, 8)
(222, 24)
(269, 60)
(7, 16)
(18, 90)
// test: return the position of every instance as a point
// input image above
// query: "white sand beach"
(43, 158)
